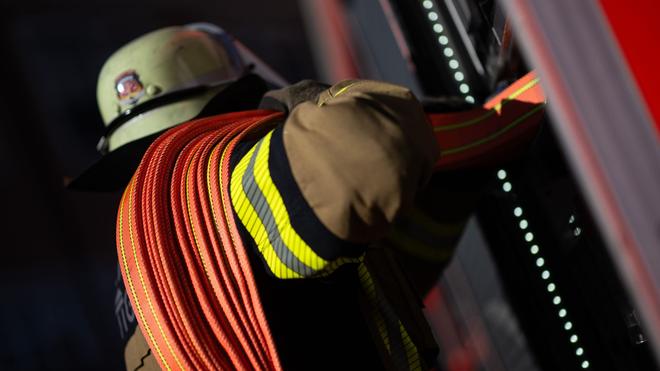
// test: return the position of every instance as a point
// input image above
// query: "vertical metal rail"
(607, 133)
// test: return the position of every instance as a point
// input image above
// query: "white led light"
(571, 219)
(464, 88)
(427, 4)
(448, 52)
(529, 236)
(443, 40)
(458, 76)
(438, 28)
(433, 16)
(469, 99)
(453, 64)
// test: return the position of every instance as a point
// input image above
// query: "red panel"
(636, 24)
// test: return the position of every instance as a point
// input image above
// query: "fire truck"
(559, 267)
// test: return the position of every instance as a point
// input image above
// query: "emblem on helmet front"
(129, 88)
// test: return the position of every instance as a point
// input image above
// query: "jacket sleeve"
(315, 190)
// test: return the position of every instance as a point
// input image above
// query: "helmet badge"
(129, 88)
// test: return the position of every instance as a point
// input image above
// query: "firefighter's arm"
(334, 176)
(359, 155)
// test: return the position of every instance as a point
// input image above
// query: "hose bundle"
(181, 257)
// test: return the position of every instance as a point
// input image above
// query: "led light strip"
(551, 287)
(431, 9)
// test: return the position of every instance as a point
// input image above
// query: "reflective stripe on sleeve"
(260, 207)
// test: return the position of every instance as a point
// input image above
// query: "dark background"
(58, 263)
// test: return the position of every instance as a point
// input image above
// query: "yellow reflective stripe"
(428, 240)
(335, 264)
(406, 243)
(382, 329)
(430, 225)
(516, 93)
(339, 92)
(379, 307)
(492, 111)
(298, 247)
(414, 362)
(370, 290)
(248, 216)
(344, 89)
(495, 135)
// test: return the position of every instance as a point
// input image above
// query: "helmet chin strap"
(163, 100)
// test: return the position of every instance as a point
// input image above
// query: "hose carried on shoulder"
(182, 259)
(181, 256)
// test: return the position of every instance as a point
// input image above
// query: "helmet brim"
(113, 171)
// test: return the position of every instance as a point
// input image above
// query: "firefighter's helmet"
(164, 78)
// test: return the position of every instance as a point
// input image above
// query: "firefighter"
(339, 166)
